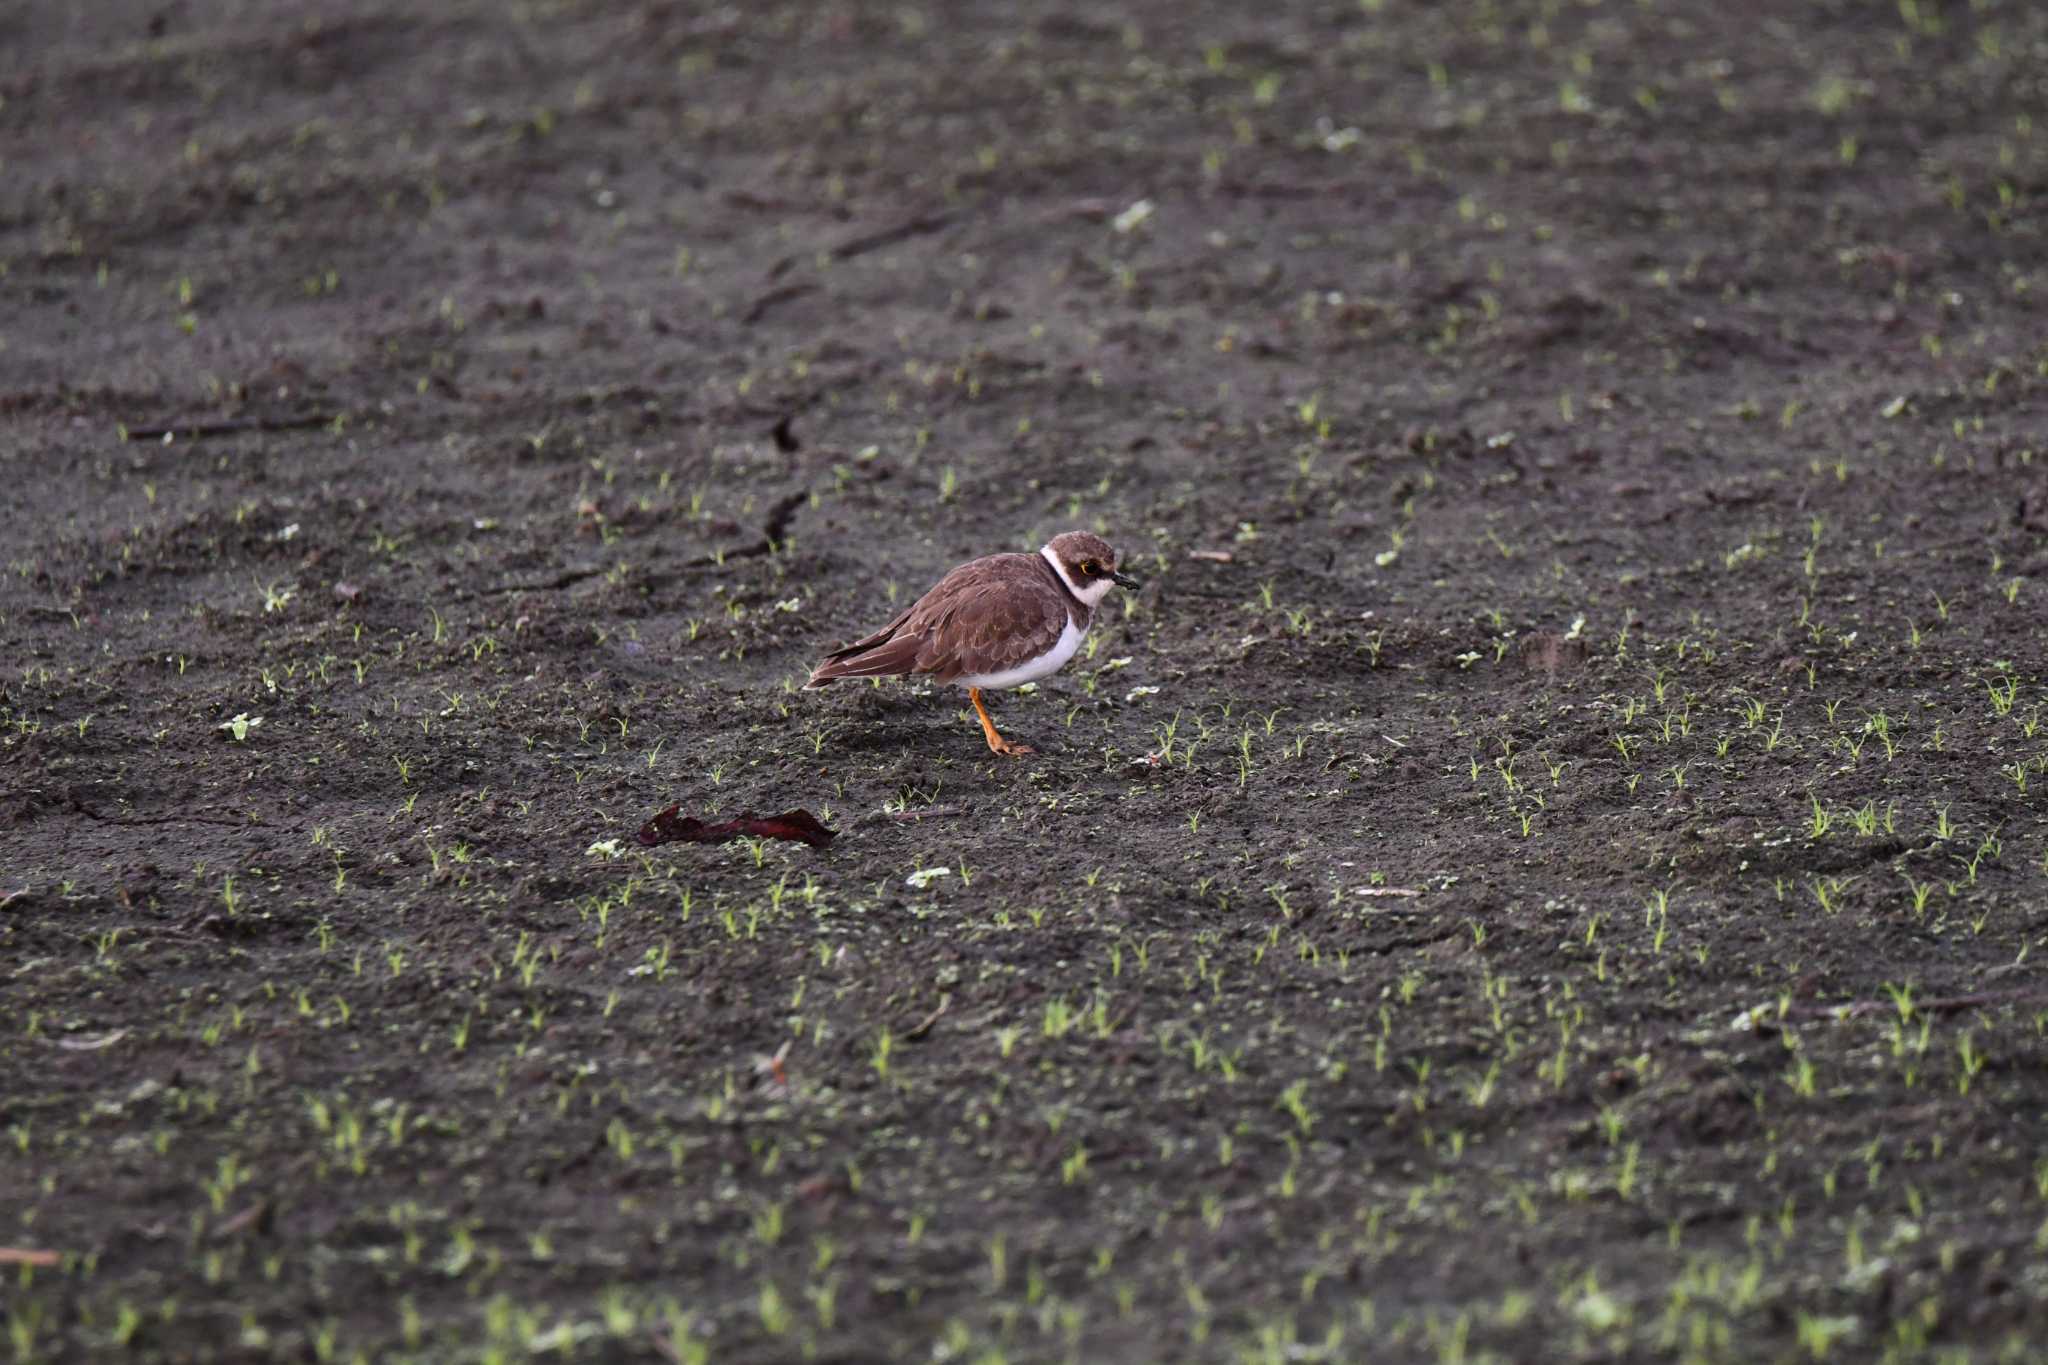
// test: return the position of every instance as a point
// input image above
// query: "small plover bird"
(995, 622)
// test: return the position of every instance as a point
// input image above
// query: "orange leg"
(996, 743)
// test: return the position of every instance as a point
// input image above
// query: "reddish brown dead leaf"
(671, 827)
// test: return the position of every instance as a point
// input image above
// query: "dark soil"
(1552, 865)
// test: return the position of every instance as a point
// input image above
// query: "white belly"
(1044, 666)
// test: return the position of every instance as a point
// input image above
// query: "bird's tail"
(888, 657)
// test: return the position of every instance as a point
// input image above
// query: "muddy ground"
(1551, 865)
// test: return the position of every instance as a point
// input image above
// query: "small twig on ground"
(232, 821)
(1289, 189)
(228, 427)
(873, 241)
(924, 1025)
(927, 813)
(758, 309)
(568, 578)
(250, 1217)
(771, 1067)
(105, 1040)
(773, 532)
(1947, 1004)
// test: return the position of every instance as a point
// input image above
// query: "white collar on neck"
(1090, 595)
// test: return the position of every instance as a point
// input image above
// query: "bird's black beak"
(1124, 580)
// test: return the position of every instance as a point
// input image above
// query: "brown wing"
(985, 616)
(992, 626)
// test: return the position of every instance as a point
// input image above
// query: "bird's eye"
(1090, 569)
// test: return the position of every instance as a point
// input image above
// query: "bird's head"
(1088, 564)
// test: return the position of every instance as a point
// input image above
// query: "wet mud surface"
(1552, 862)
